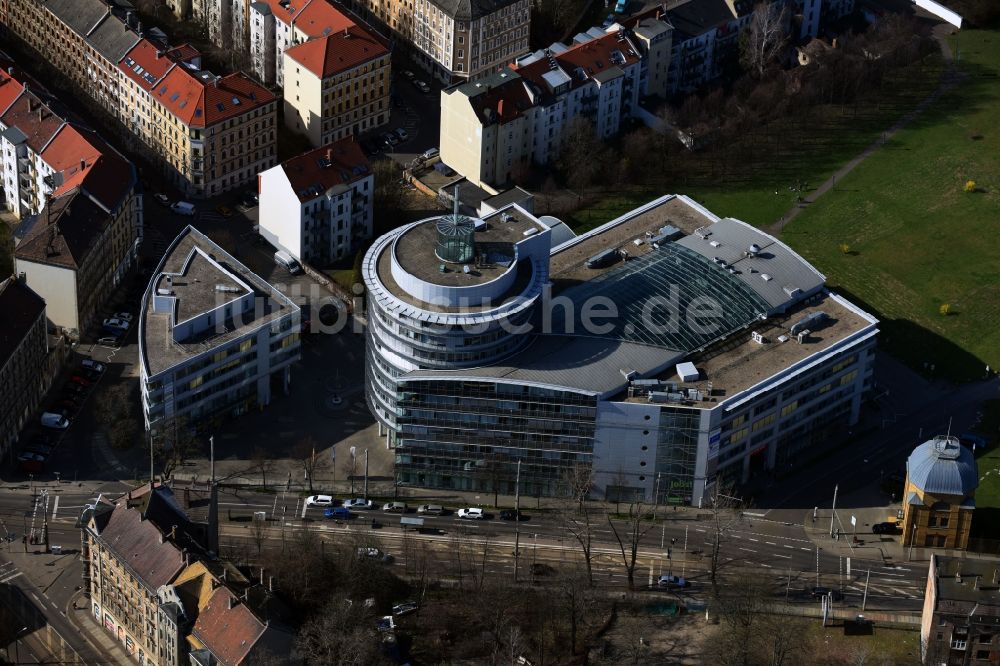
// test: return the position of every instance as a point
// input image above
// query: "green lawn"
(917, 239)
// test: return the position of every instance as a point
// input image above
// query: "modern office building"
(939, 495)
(318, 206)
(24, 347)
(495, 127)
(960, 623)
(215, 340)
(668, 349)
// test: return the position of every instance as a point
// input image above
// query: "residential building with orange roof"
(318, 206)
(85, 240)
(337, 86)
(209, 133)
(155, 584)
(494, 128)
(276, 25)
(215, 133)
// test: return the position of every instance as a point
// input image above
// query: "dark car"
(818, 592)
(73, 389)
(162, 199)
(67, 406)
(885, 528)
(79, 379)
(512, 514)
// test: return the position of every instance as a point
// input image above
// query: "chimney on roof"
(996, 573)
(262, 576)
(41, 113)
(500, 108)
(10, 71)
(232, 602)
(173, 532)
(975, 586)
(270, 583)
(223, 574)
(329, 154)
(159, 54)
(83, 164)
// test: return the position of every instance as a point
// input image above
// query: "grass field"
(754, 179)
(918, 240)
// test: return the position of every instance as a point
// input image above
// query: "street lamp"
(17, 648)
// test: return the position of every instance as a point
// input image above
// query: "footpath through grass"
(759, 178)
(918, 240)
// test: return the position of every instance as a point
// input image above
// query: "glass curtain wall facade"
(469, 435)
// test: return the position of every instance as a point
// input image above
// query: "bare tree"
(258, 532)
(575, 601)
(578, 482)
(636, 529)
(262, 462)
(343, 634)
(749, 630)
(727, 513)
(174, 443)
(765, 39)
(117, 415)
(311, 461)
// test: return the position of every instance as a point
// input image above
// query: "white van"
(282, 258)
(183, 208)
(430, 153)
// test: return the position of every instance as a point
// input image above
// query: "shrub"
(945, 309)
(970, 186)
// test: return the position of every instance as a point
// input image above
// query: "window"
(789, 408)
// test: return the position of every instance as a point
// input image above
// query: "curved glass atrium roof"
(672, 298)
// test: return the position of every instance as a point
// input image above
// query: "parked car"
(408, 74)
(78, 379)
(818, 592)
(885, 528)
(184, 208)
(338, 512)
(672, 581)
(386, 624)
(282, 258)
(224, 211)
(54, 421)
(431, 509)
(90, 375)
(115, 324)
(430, 153)
(162, 199)
(402, 134)
(127, 316)
(390, 138)
(471, 513)
(372, 553)
(67, 406)
(512, 514)
(421, 86)
(394, 507)
(319, 500)
(91, 364)
(358, 503)
(405, 608)
(112, 341)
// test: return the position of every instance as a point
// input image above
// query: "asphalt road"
(779, 552)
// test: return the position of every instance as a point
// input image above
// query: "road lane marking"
(787, 557)
(752, 539)
(770, 543)
(749, 550)
(55, 507)
(804, 548)
(10, 577)
(787, 546)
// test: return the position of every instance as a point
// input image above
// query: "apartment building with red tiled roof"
(337, 86)
(154, 583)
(208, 133)
(318, 206)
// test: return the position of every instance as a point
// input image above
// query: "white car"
(472, 513)
(319, 500)
(358, 503)
(55, 421)
(394, 507)
(431, 509)
(116, 323)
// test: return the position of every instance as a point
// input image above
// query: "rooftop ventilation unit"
(605, 258)
(714, 243)
(758, 338)
(753, 250)
(687, 372)
(530, 232)
(802, 336)
(809, 322)
(164, 292)
(227, 289)
(661, 397)
(765, 277)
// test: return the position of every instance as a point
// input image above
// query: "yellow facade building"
(939, 496)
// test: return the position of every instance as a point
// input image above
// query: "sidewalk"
(101, 641)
